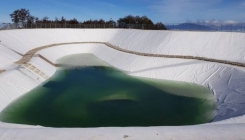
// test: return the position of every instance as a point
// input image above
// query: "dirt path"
(27, 57)
(1, 71)
(30, 54)
(45, 59)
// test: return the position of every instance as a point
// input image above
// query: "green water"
(98, 96)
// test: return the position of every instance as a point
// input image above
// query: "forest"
(24, 17)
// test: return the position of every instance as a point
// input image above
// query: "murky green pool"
(92, 94)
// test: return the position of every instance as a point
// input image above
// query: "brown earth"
(2, 71)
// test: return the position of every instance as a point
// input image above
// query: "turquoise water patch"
(98, 95)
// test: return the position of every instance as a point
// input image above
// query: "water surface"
(87, 92)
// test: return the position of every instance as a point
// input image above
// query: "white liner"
(226, 81)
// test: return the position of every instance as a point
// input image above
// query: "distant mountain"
(190, 26)
(1, 25)
(230, 27)
(207, 27)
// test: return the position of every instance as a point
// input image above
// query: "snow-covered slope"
(226, 81)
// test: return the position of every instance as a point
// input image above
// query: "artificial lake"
(87, 92)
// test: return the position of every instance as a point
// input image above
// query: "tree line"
(23, 16)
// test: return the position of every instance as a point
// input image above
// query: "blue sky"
(166, 11)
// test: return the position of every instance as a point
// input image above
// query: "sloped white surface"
(15, 83)
(226, 81)
(217, 45)
(197, 132)
(7, 57)
(43, 66)
(24, 40)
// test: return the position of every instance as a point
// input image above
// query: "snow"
(226, 81)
